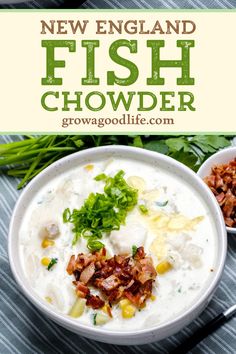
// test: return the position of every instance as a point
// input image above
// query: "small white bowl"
(141, 336)
(221, 157)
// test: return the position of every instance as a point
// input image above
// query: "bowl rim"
(75, 324)
(210, 161)
(224, 151)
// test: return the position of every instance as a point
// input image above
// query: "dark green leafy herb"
(192, 151)
(52, 263)
(187, 158)
(134, 250)
(158, 146)
(178, 144)
(25, 159)
(138, 142)
(162, 204)
(94, 319)
(143, 209)
(102, 212)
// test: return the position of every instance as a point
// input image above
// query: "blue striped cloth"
(24, 330)
(126, 4)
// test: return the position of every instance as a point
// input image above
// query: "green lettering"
(185, 100)
(157, 63)
(166, 101)
(90, 79)
(68, 101)
(43, 101)
(91, 95)
(151, 106)
(121, 98)
(134, 73)
(51, 63)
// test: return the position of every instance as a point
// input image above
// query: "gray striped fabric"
(124, 4)
(24, 330)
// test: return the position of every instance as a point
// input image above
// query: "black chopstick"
(204, 331)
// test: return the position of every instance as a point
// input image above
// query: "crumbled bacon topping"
(117, 278)
(222, 182)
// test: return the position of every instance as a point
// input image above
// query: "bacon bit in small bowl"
(222, 182)
(116, 278)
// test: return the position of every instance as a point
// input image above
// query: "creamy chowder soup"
(169, 220)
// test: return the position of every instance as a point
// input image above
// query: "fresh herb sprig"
(26, 158)
(190, 150)
(102, 212)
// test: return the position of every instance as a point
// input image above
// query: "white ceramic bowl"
(143, 336)
(221, 157)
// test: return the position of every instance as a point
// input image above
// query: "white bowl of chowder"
(133, 262)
